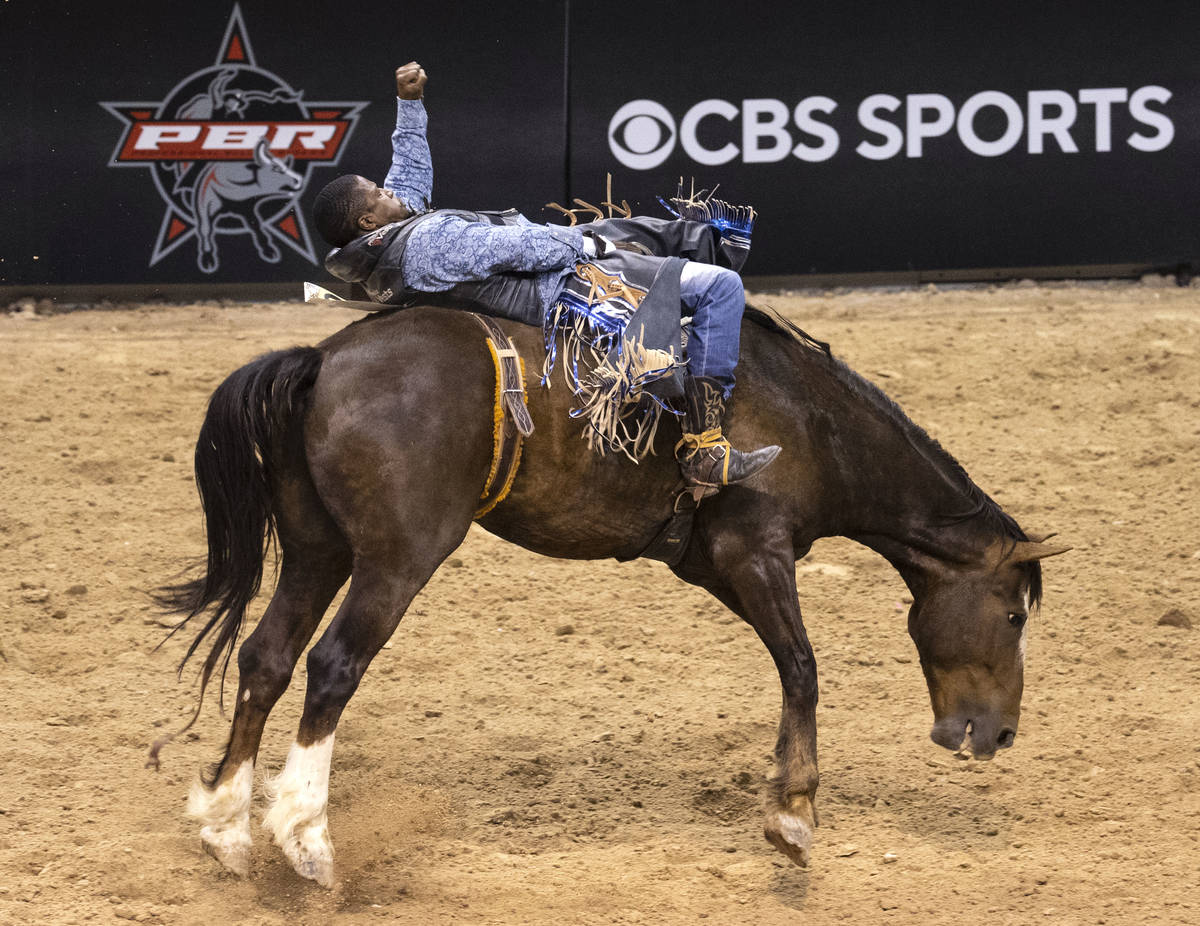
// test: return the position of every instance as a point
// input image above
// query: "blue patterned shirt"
(448, 249)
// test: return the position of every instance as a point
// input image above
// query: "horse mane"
(977, 504)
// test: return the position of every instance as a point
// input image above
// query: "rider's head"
(351, 206)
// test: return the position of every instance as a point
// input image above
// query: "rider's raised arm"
(411, 173)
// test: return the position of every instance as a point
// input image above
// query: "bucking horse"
(364, 457)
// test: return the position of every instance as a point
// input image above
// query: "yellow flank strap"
(498, 432)
(497, 422)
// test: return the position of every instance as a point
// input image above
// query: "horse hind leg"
(315, 564)
(378, 597)
(403, 487)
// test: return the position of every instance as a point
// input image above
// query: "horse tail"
(237, 456)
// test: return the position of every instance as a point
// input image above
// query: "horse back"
(413, 391)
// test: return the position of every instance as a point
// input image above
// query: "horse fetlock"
(224, 812)
(291, 813)
(297, 817)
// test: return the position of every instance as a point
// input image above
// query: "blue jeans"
(717, 300)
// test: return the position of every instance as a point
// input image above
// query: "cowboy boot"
(705, 457)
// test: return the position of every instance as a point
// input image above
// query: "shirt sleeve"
(449, 249)
(411, 173)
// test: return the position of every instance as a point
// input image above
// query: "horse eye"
(1017, 618)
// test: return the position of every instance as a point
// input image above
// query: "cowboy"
(403, 252)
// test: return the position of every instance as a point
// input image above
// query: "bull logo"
(231, 149)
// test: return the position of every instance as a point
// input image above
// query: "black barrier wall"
(870, 137)
(96, 92)
(910, 136)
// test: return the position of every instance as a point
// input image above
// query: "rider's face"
(382, 206)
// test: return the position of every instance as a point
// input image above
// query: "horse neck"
(895, 490)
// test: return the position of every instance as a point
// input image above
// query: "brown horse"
(364, 458)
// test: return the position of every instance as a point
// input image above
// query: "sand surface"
(496, 768)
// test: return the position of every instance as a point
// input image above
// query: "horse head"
(969, 624)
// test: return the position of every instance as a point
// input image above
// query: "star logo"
(231, 148)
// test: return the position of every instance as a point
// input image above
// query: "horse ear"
(1026, 551)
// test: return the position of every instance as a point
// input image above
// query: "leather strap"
(512, 422)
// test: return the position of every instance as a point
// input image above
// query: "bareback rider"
(403, 252)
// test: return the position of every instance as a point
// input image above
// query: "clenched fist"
(410, 81)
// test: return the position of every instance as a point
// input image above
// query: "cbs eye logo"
(641, 134)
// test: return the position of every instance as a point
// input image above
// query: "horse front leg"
(760, 587)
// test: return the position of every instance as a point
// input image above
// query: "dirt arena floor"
(555, 742)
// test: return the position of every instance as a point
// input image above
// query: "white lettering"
(755, 128)
(1012, 113)
(152, 136)
(893, 137)
(691, 121)
(233, 137)
(311, 137)
(1102, 99)
(1041, 125)
(918, 128)
(1156, 120)
(806, 123)
(642, 133)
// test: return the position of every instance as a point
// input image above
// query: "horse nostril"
(1006, 738)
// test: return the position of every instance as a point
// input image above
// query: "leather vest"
(375, 260)
(510, 295)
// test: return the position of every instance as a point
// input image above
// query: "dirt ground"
(555, 742)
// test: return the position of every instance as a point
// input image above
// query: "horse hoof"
(313, 866)
(791, 843)
(311, 853)
(791, 831)
(319, 870)
(230, 848)
(224, 815)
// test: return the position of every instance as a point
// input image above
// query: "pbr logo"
(231, 149)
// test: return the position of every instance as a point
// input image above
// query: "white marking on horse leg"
(224, 814)
(297, 817)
